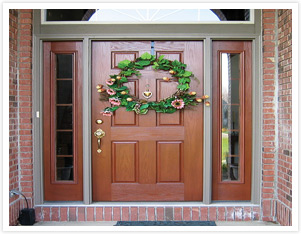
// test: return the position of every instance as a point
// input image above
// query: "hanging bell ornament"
(147, 94)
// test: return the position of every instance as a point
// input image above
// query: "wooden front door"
(152, 157)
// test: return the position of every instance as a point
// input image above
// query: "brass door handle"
(99, 133)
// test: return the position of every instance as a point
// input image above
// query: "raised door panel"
(125, 166)
(169, 161)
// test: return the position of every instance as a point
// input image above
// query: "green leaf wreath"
(118, 95)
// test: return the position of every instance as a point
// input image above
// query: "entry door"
(152, 157)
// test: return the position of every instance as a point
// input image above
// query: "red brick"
(238, 213)
(195, 213)
(212, 213)
(221, 214)
(151, 214)
(230, 214)
(142, 214)
(63, 214)
(160, 213)
(99, 214)
(90, 214)
(256, 213)
(38, 212)
(178, 214)
(204, 214)
(125, 214)
(108, 214)
(46, 214)
(134, 213)
(55, 214)
(81, 214)
(116, 213)
(72, 213)
(187, 213)
(266, 207)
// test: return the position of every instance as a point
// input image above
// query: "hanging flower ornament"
(118, 95)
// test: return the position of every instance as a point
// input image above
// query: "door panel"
(152, 157)
(232, 120)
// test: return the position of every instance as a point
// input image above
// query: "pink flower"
(109, 82)
(107, 113)
(111, 92)
(178, 103)
(114, 101)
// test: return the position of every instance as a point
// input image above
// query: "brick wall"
(154, 213)
(269, 107)
(13, 113)
(284, 185)
(20, 112)
(277, 116)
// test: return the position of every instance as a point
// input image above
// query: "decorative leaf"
(144, 111)
(187, 73)
(114, 108)
(183, 86)
(123, 64)
(143, 63)
(184, 80)
(123, 79)
(161, 57)
(128, 72)
(176, 63)
(144, 106)
(146, 56)
(121, 88)
(171, 110)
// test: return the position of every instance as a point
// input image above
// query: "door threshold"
(145, 204)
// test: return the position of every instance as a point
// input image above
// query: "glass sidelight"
(230, 110)
(64, 117)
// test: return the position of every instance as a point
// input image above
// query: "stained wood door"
(152, 157)
(232, 120)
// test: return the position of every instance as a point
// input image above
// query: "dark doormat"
(165, 223)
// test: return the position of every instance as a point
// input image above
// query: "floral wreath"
(118, 95)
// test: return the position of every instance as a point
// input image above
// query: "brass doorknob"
(99, 133)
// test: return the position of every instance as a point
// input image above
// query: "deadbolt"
(99, 121)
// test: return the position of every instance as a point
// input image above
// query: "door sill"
(146, 204)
